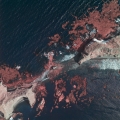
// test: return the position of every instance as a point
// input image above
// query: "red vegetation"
(78, 27)
(79, 83)
(8, 74)
(103, 21)
(1, 118)
(111, 10)
(62, 94)
(60, 88)
(41, 94)
(77, 44)
(40, 91)
(65, 24)
(11, 77)
(54, 39)
(78, 90)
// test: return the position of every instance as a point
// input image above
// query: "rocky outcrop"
(97, 50)
(10, 99)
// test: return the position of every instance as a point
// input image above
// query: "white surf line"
(109, 63)
(42, 77)
(67, 57)
(99, 41)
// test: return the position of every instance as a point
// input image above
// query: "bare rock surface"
(10, 99)
(109, 50)
(3, 93)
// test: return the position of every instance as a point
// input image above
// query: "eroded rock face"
(109, 50)
(3, 92)
(10, 99)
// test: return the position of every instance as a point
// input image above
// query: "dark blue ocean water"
(25, 26)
